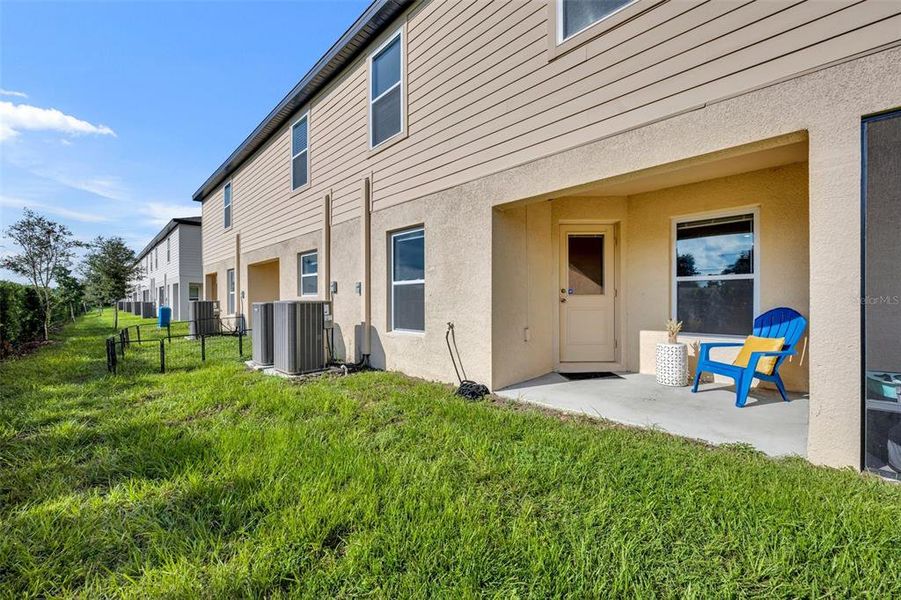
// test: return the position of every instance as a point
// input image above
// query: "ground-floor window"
(408, 280)
(715, 285)
(308, 274)
(230, 286)
(193, 291)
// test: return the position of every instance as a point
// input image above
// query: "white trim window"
(716, 272)
(168, 250)
(386, 90)
(193, 291)
(300, 152)
(308, 273)
(227, 205)
(408, 280)
(230, 287)
(575, 16)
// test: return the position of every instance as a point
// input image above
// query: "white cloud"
(158, 213)
(12, 93)
(59, 211)
(15, 118)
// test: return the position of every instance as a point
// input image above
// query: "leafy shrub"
(20, 316)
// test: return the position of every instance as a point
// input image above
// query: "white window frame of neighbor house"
(754, 211)
(394, 283)
(306, 150)
(230, 291)
(168, 250)
(227, 194)
(399, 34)
(195, 286)
(560, 9)
(301, 275)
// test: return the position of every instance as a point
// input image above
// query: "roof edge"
(165, 231)
(344, 51)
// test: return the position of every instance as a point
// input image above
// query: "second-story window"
(168, 250)
(300, 155)
(575, 16)
(227, 206)
(386, 94)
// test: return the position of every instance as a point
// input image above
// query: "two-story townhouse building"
(172, 267)
(560, 177)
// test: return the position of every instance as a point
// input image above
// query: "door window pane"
(882, 300)
(586, 264)
(579, 14)
(724, 306)
(230, 283)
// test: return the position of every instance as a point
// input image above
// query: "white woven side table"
(672, 364)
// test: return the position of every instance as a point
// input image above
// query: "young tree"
(110, 270)
(46, 246)
(70, 290)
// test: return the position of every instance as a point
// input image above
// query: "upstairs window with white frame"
(300, 152)
(575, 16)
(230, 289)
(386, 93)
(168, 250)
(408, 280)
(227, 205)
(716, 282)
(308, 273)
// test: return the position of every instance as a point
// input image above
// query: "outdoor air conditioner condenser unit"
(136, 309)
(148, 311)
(299, 336)
(204, 318)
(261, 333)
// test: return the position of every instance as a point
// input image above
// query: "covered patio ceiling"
(767, 423)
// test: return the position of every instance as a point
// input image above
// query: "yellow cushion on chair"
(760, 344)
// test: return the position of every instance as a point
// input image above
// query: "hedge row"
(20, 316)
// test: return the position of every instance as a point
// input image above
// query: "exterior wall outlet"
(334, 287)
(359, 288)
(526, 334)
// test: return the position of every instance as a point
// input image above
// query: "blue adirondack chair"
(777, 323)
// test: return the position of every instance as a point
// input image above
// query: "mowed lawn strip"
(218, 481)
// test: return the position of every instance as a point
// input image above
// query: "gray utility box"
(148, 311)
(126, 306)
(203, 318)
(261, 333)
(136, 308)
(299, 336)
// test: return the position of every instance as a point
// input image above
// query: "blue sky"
(113, 113)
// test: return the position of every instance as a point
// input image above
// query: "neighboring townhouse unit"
(559, 177)
(172, 267)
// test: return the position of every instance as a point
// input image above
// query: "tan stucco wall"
(526, 266)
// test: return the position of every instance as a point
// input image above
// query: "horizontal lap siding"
(482, 96)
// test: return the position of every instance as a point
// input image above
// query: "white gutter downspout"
(366, 348)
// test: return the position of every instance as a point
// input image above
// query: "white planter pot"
(672, 364)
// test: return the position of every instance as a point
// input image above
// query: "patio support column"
(835, 342)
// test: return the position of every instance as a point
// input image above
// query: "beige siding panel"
(442, 28)
(713, 60)
(511, 82)
(646, 87)
(578, 131)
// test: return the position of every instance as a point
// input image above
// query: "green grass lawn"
(219, 481)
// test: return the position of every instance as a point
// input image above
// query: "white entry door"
(586, 293)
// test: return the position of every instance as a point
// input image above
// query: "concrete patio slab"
(772, 426)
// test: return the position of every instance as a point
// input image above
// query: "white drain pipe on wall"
(327, 245)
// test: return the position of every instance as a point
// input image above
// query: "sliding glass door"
(881, 300)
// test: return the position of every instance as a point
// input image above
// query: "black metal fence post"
(241, 343)
(162, 356)
(169, 332)
(122, 343)
(203, 348)
(138, 330)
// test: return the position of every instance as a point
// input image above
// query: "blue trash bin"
(164, 317)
